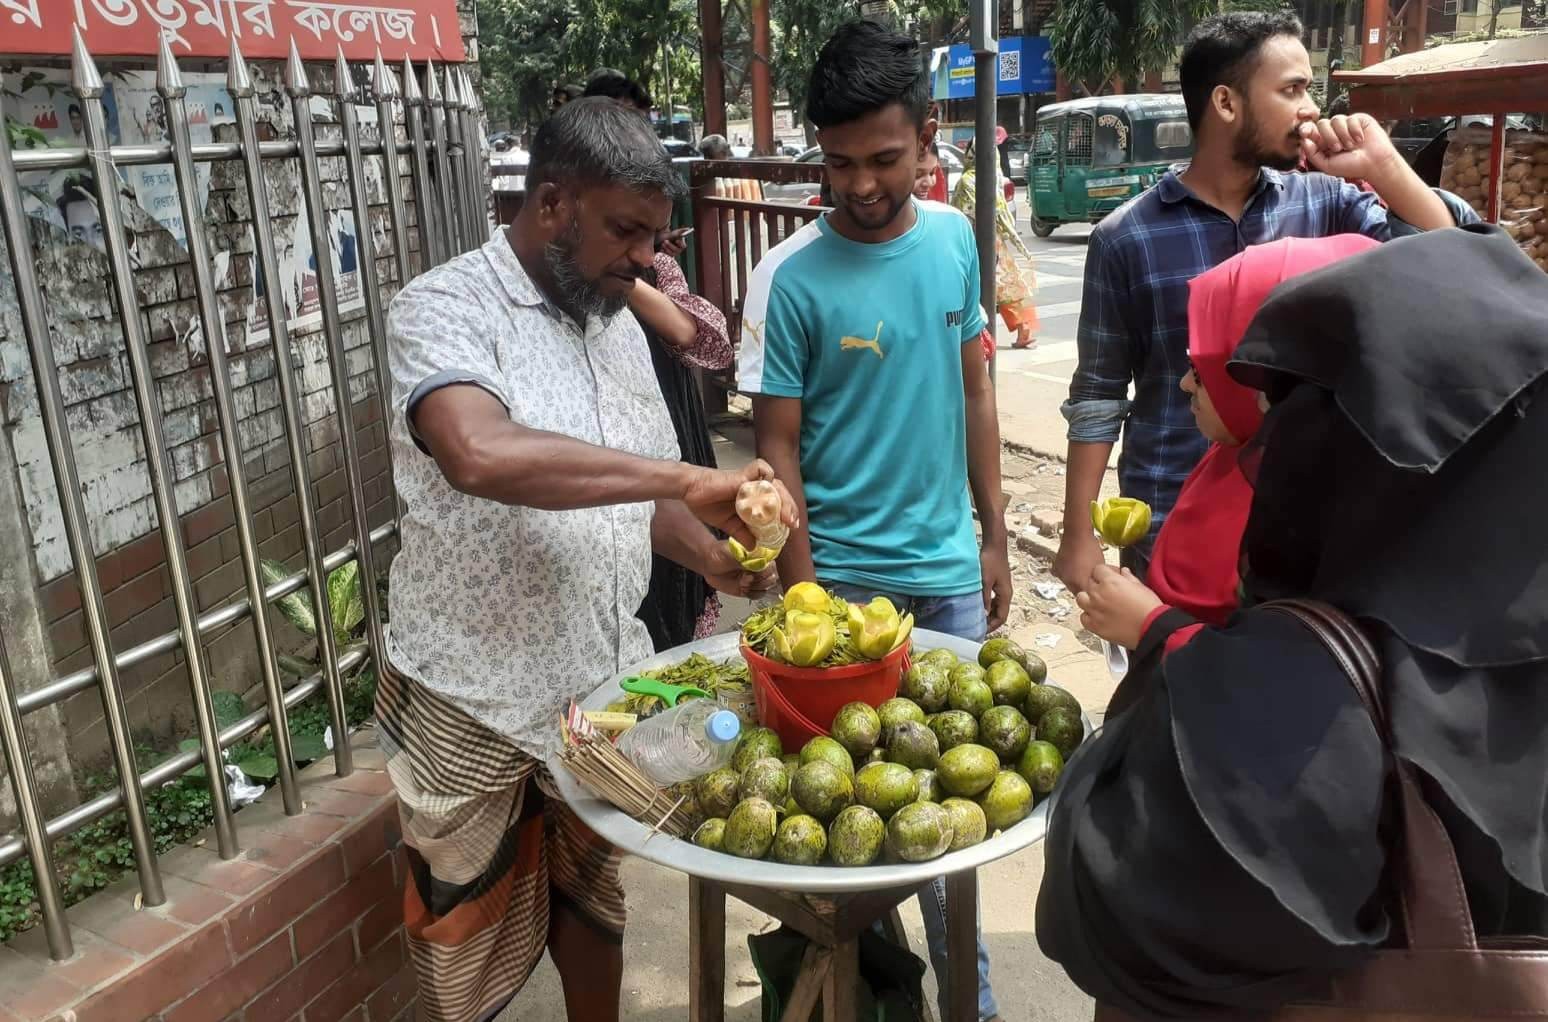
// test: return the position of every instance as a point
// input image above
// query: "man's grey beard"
(581, 296)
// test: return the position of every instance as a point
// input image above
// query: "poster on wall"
(140, 117)
(298, 278)
(293, 244)
(46, 109)
(49, 115)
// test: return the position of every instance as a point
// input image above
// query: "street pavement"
(1030, 386)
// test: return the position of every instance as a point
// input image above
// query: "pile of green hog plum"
(964, 751)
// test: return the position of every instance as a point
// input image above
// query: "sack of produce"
(1523, 184)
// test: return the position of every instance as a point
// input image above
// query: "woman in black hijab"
(1220, 848)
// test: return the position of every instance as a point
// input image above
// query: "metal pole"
(666, 74)
(212, 324)
(457, 121)
(1373, 32)
(762, 90)
(456, 157)
(88, 85)
(986, 193)
(67, 482)
(424, 197)
(34, 831)
(714, 71)
(387, 128)
(467, 131)
(299, 90)
(240, 84)
(478, 203)
(354, 163)
(448, 207)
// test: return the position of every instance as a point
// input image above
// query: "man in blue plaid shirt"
(1244, 79)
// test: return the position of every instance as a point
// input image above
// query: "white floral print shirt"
(509, 611)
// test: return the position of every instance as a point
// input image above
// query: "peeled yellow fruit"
(875, 629)
(1121, 521)
(807, 596)
(805, 640)
(755, 559)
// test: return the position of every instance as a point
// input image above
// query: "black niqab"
(1402, 475)
(1217, 848)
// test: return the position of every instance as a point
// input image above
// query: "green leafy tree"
(800, 27)
(527, 47)
(1094, 41)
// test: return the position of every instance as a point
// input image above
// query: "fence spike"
(384, 84)
(169, 80)
(83, 70)
(432, 87)
(238, 82)
(343, 80)
(411, 93)
(475, 101)
(453, 95)
(296, 83)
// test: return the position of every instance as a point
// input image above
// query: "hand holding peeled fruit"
(712, 495)
(761, 505)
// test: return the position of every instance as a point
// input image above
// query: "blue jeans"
(964, 617)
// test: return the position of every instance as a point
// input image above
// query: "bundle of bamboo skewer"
(597, 764)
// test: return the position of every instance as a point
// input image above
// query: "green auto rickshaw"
(1090, 156)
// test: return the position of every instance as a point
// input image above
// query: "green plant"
(346, 611)
(101, 852)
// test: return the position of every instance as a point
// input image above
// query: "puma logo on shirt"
(849, 343)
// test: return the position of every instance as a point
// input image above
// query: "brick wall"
(94, 378)
(305, 925)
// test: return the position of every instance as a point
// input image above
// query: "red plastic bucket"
(800, 702)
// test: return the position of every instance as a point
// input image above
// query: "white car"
(802, 192)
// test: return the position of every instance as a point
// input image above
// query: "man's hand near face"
(1357, 148)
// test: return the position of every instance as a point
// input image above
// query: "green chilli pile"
(726, 681)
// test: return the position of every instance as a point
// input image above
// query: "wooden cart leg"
(815, 963)
(706, 951)
(962, 947)
(838, 989)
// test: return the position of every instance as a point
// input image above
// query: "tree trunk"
(1494, 17)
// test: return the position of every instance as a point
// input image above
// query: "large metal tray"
(635, 838)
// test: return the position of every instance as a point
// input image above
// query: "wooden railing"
(732, 235)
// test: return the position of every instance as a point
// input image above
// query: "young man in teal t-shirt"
(872, 401)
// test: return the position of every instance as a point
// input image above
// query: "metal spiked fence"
(446, 168)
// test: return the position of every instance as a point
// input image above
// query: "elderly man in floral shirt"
(539, 469)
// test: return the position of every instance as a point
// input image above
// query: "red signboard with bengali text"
(418, 29)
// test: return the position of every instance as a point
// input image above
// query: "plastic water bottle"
(687, 741)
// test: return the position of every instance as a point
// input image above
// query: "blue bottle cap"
(723, 726)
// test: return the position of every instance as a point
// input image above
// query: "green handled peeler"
(668, 694)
